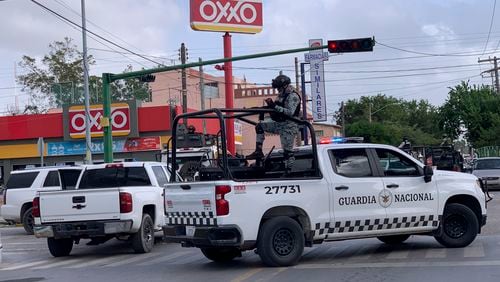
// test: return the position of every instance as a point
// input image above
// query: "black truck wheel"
(459, 226)
(280, 242)
(394, 239)
(60, 247)
(28, 221)
(144, 239)
(221, 254)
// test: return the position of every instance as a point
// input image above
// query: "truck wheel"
(60, 247)
(144, 239)
(224, 254)
(28, 221)
(280, 242)
(460, 226)
(394, 239)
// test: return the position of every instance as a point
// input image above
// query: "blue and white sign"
(78, 147)
(318, 95)
(316, 57)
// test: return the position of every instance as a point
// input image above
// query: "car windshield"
(488, 164)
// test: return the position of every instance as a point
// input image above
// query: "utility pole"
(202, 96)
(370, 112)
(297, 77)
(493, 70)
(342, 108)
(15, 89)
(183, 82)
(88, 141)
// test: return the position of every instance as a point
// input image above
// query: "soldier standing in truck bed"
(287, 104)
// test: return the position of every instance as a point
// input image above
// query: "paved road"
(421, 258)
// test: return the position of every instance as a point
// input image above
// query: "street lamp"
(370, 113)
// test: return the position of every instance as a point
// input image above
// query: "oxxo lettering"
(216, 11)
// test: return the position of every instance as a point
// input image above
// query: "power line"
(464, 54)
(491, 25)
(93, 33)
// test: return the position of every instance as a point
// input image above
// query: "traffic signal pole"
(108, 78)
(228, 79)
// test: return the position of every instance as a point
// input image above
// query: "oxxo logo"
(215, 11)
(244, 16)
(120, 121)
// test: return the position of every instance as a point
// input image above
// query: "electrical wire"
(491, 25)
(93, 33)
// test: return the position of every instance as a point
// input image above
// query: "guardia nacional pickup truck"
(334, 192)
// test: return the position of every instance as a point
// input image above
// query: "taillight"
(125, 202)
(35, 211)
(221, 204)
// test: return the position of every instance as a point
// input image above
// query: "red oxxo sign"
(243, 16)
(120, 120)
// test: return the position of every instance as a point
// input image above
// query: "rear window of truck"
(114, 177)
(21, 180)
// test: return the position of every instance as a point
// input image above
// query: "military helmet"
(281, 81)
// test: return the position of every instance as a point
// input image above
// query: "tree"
(472, 110)
(58, 79)
(391, 119)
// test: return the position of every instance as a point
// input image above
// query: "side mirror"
(428, 172)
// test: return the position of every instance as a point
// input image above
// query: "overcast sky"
(423, 47)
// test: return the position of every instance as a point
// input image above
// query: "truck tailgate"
(190, 204)
(80, 205)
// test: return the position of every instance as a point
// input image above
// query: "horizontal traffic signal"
(351, 45)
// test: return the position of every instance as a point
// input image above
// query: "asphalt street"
(421, 258)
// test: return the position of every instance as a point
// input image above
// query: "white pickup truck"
(334, 192)
(123, 200)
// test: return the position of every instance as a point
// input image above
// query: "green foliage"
(472, 110)
(58, 79)
(391, 119)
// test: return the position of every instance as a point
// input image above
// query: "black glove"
(270, 103)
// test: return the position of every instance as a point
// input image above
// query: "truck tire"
(223, 254)
(144, 240)
(280, 242)
(60, 247)
(459, 226)
(394, 239)
(28, 221)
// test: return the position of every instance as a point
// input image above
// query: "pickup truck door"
(355, 191)
(413, 204)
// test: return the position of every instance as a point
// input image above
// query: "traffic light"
(147, 78)
(351, 45)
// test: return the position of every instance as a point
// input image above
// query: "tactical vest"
(280, 117)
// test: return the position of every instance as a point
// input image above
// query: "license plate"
(190, 231)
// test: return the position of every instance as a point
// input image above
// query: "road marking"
(247, 275)
(435, 253)
(59, 263)
(398, 254)
(92, 261)
(133, 258)
(474, 251)
(164, 258)
(400, 264)
(25, 265)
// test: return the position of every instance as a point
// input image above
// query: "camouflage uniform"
(287, 129)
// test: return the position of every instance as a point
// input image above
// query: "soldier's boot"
(289, 157)
(257, 154)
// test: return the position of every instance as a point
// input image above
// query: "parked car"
(488, 169)
(20, 190)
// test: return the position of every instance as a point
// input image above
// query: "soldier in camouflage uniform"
(287, 104)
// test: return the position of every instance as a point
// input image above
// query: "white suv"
(20, 191)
